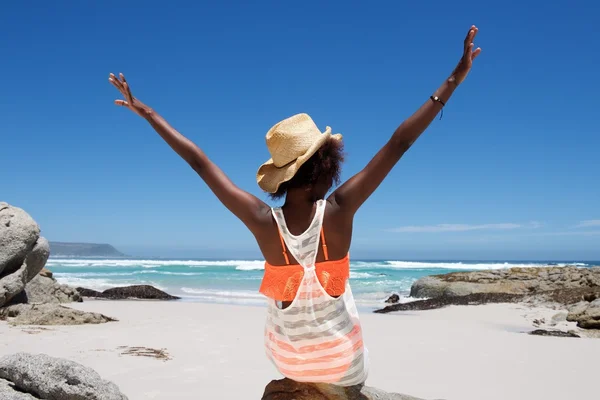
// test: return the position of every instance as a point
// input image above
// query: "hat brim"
(269, 177)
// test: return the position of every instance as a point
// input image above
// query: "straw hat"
(290, 142)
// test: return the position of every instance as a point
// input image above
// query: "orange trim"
(282, 282)
(287, 260)
(324, 244)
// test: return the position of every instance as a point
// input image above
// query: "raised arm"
(248, 208)
(354, 192)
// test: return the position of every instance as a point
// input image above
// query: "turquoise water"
(237, 281)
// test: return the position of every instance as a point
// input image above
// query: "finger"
(115, 82)
(475, 30)
(117, 85)
(112, 76)
(127, 88)
(127, 93)
(469, 34)
(122, 103)
(476, 53)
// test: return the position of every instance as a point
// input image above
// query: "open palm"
(466, 62)
(130, 102)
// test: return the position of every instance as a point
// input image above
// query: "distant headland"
(69, 249)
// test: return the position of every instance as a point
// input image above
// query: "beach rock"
(54, 378)
(511, 281)
(576, 310)
(18, 234)
(443, 301)
(558, 318)
(544, 332)
(46, 273)
(50, 314)
(287, 389)
(42, 289)
(9, 392)
(394, 298)
(23, 253)
(13, 284)
(129, 292)
(587, 315)
(88, 292)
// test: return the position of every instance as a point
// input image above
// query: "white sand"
(457, 353)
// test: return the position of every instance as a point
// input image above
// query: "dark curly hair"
(323, 166)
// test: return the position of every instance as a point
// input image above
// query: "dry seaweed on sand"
(159, 354)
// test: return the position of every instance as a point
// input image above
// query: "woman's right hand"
(130, 102)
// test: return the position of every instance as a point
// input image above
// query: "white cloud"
(589, 223)
(463, 227)
(571, 233)
(497, 238)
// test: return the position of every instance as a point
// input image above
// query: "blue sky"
(510, 172)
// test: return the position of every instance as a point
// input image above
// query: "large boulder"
(287, 389)
(518, 281)
(50, 314)
(53, 378)
(23, 253)
(18, 234)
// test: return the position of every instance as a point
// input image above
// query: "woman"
(312, 332)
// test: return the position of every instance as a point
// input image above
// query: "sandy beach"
(215, 351)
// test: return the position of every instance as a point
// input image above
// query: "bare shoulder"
(337, 226)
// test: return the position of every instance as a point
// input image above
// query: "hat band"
(286, 164)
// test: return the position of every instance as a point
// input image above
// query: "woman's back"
(317, 337)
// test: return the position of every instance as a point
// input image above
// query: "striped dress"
(318, 338)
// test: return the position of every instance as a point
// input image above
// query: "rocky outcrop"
(557, 287)
(511, 281)
(587, 315)
(41, 290)
(287, 389)
(443, 301)
(146, 292)
(50, 314)
(23, 253)
(29, 295)
(43, 377)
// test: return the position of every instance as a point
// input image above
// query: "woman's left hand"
(466, 62)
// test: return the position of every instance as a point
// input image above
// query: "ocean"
(237, 281)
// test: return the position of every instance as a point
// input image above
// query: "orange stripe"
(315, 294)
(317, 372)
(315, 347)
(329, 358)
